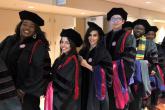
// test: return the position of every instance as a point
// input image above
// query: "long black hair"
(100, 42)
(40, 34)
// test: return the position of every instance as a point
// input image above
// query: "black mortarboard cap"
(73, 35)
(96, 27)
(152, 28)
(117, 11)
(128, 24)
(141, 22)
(27, 15)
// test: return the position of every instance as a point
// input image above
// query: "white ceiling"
(155, 5)
(25, 5)
(45, 6)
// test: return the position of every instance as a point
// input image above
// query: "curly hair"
(40, 34)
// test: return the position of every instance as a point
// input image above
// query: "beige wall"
(80, 26)
(42, 1)
(9, 20)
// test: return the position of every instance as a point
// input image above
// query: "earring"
(34, 36)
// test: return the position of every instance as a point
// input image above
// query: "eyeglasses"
(116, 19)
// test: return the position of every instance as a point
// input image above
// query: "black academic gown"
(98, 56)
(64, 82)
(113, 41)
(161, 59)
(3, 65)
(163, 66)
(29, 65)
(150, 55)
(161, 56)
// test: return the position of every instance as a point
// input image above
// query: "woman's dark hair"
(17, 29)
(40, 34)
(86, 40)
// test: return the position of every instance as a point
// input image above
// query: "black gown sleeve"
(151, 54)
(106, 64)
(39, 70)
(129, 56)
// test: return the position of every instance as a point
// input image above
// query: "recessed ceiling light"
(31, 7)
(82, 13)
(148, 2)
(159, 21)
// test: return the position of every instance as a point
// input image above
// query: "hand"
(152, 73)
(20, 94)
(83, 63)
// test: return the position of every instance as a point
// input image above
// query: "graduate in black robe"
(151, 34)
(146, 59)
(66, 73)
(26, 56)
(161, 52)
(96, 70)
(161, 55)
(122, 47)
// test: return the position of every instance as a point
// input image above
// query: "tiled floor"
(161, 105)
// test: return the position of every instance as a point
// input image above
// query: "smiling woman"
(65, 74)
(96, 70)
(26, 56)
